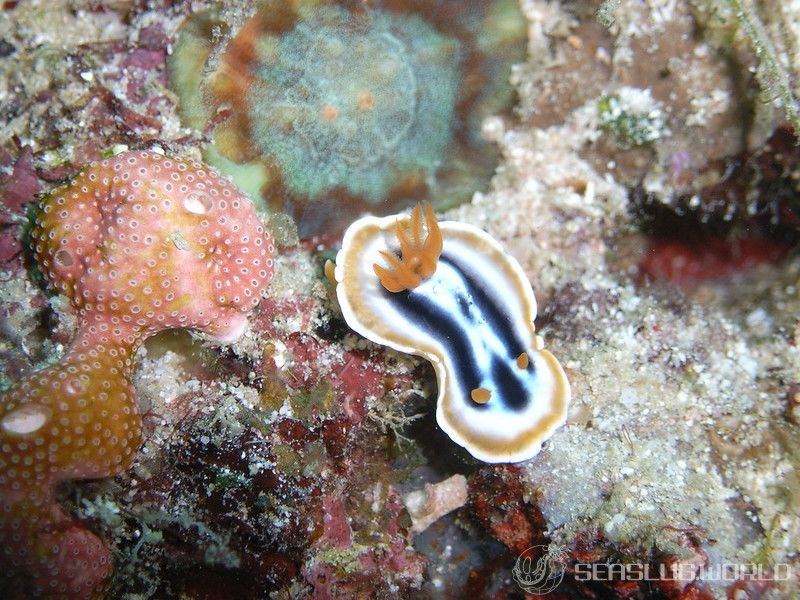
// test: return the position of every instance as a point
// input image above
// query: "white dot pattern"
(101, 228)
(139, 243)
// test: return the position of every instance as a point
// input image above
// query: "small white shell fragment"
(427, 506)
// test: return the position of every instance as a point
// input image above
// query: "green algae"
(628, 124)
(345, 560)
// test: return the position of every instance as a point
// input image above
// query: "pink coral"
(155, 242)
(139, 243)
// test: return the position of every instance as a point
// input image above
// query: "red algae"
(745, 216)
(688, 265)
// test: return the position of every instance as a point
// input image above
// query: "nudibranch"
(455, 297)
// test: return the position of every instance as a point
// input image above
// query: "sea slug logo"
(540, 569)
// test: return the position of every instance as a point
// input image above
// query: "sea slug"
(455, 297)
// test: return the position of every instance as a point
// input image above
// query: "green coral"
(342, 102)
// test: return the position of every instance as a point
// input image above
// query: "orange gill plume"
(418, 255)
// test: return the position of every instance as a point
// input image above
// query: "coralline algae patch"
(367, 108)
(81, 79)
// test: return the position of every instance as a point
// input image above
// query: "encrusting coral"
(129, 238)
(139, 243)
(365, 105)
(351, 123)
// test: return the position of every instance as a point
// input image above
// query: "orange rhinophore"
(418, 256)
